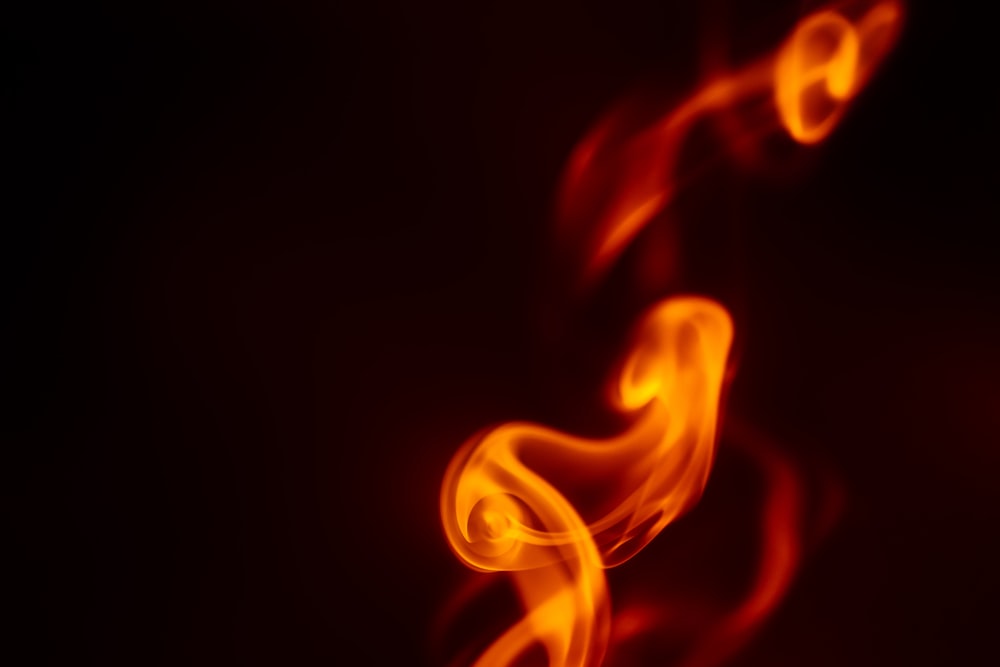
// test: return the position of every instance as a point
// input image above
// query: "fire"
(825, 62)
(500, 515)
(555, 510)
(618, 180)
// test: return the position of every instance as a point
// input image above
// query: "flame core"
(501, 515)
(519, 498)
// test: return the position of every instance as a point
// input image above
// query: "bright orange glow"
(500, 514)
(825, 62)
(553, 509)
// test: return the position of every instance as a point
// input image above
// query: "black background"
(266, 265)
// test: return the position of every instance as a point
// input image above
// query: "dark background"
(266, 265)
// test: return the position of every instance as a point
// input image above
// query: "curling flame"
(499, 514)
(825, 62)
(520, 498)
(620, 178)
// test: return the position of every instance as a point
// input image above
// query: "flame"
(620, 178)
(825, 62)
(555, 510)
(500, 515)
(780, 552)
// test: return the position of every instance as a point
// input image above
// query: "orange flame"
(500, 515)
(554, 509)
(825, 62)
(618, 180)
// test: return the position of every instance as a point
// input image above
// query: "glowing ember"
(555, 510)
